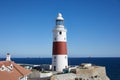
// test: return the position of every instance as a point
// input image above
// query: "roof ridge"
(18, 70)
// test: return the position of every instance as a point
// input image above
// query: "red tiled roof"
(16, 73)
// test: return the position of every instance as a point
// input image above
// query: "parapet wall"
(91, 73)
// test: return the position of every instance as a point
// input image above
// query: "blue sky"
(93, 27)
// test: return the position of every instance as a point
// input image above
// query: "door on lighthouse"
(54, 68)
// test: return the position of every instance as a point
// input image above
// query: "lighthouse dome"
(60, 17)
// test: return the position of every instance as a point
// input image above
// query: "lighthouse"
(59, 52)
(8, 57)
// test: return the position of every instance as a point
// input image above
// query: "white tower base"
(59, 62)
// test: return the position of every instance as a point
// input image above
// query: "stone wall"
(91, 73)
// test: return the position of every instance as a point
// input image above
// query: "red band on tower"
(59, 48)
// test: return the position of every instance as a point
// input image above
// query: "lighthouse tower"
(8, 57)
(59, 53)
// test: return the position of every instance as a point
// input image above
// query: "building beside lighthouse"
(9, 70)
(59, 52)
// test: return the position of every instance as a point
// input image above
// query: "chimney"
(8, 57)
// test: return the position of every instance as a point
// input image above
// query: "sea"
(112, 64)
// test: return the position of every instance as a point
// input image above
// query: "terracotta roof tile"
(17, 71)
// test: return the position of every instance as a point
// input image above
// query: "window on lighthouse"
(64, 38)
(55, 39)
(60, 33)
(59, 22)
(54, 57)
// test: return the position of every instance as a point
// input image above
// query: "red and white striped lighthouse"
(59, 54)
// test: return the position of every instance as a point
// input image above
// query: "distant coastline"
(50, 57)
